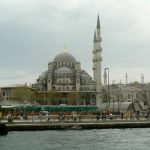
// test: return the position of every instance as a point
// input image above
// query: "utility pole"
(108, 97)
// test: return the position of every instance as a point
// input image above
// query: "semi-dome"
(43, 75)
(64, 70)
(64, 57)
(85, 75)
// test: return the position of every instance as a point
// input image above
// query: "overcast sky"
(33, 32)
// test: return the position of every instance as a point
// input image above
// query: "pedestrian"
(147, 115)
(74, 115)
(9, 117)
(25, 116)
(122, 115)
(0, 116)
(32, 115)
(131, 115)
(98, 116)
(49, 117)
(110, 116)
(80, 117)
(137, 115)
(103, 115)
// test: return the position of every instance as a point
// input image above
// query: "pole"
(108, 97)
(108, 89)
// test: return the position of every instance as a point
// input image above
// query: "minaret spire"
(98, 22)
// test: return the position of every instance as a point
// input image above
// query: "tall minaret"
(97, 59)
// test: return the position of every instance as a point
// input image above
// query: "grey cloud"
(33, 32)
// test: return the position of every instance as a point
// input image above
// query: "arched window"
(129, 96)
(63, 88)
(67, 88)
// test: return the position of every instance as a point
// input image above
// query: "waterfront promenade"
(27, 126)
(85, 122)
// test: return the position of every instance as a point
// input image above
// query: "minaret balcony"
(99, 39)
(99, 50)
(97, 59)
(94, 68)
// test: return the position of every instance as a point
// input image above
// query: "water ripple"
(108, 139)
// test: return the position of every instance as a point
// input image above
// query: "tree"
(23, 94)
(104, 95)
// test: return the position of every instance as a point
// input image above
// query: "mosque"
(64, 75)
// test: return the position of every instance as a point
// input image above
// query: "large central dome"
(64, 57)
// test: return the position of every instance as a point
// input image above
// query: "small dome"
(64, 70)
(43, 75)
(64, 57)
(85, 75)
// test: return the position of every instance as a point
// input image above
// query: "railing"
(71, 118)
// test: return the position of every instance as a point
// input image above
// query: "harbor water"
(108, 139)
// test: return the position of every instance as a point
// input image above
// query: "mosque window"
(3, 93)
(129, 96)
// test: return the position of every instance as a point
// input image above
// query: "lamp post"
(113, 104)
(132, 102)
(108, 97)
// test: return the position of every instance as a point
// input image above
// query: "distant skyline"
(33, 32)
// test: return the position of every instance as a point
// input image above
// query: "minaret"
(94, 58)
(97, 59)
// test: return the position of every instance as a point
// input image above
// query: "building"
(64, 75)
(133, 96)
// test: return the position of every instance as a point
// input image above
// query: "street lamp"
(108, 97)
(113, 104)
(132, 102)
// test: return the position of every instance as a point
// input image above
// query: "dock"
(31, 126)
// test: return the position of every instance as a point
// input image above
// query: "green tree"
(104, 95)
(23, 94)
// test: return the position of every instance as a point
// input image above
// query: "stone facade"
(65, 74)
